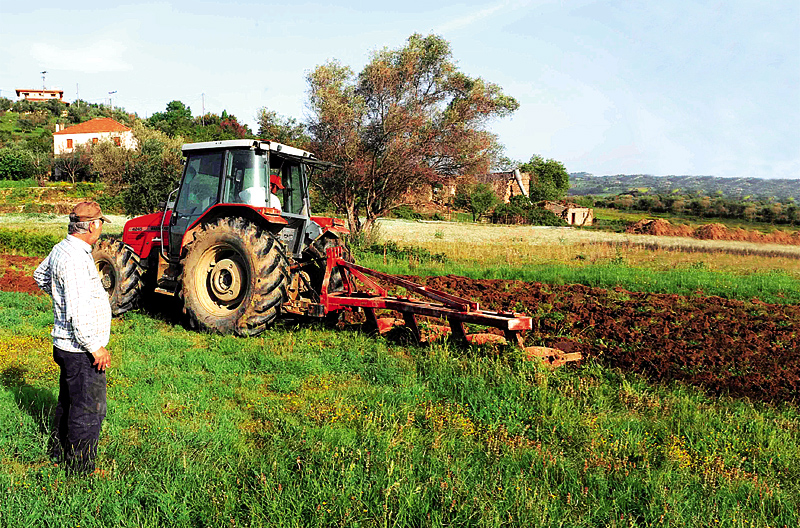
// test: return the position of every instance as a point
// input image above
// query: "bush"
(16, 164)
(406, 213)
(521, 211)
(25, 242)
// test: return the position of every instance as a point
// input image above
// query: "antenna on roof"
(43, 85)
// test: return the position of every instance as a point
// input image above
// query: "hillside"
(582, 183)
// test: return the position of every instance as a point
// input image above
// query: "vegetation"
(408, 117)
(520, 210)
(477, 198)
(549, 179)
(732, 188)
(310, 426)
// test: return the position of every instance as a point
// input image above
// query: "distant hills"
(583, 183)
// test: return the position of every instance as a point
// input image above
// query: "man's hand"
(102, 359)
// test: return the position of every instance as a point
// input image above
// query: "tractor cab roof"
(258, 144)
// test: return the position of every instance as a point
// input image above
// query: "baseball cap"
(86, 212)
(276, 179)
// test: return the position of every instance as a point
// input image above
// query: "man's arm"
(80, 307)
(44, 277)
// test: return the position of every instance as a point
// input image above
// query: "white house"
(40, 95)
(92, 132)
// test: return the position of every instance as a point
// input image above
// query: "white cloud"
(104, 55)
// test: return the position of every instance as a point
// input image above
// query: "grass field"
(311, 426)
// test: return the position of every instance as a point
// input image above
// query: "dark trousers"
(79, 413)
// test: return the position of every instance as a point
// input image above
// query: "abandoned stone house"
(571, 213)
(505, 185)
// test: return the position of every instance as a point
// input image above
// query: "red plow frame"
(438, 304)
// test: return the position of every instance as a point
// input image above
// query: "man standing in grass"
(82, 324)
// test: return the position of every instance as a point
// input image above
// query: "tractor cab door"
(294, 201)
(199, 191)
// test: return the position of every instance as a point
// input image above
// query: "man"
(274, 186)
(82, 324)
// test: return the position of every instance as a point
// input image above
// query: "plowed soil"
(731, 347)
(724, 346)
(16, 274)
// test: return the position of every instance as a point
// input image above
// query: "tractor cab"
(270, 178)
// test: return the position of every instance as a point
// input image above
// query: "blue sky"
(606, 87)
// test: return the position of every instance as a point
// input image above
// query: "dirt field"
(741, 348)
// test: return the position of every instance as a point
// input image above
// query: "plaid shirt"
(81, 311)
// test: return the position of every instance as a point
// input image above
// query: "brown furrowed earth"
(725, 346)
(749, 349)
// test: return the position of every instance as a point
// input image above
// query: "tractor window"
(291, 196)
(200, 182)
(246, 178)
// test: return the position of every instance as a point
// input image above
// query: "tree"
(175, 121)
(75, 164)
(155, 170)
(478, 198)
(287, 130)
(549, 178)
(410, 116)
(15, 164)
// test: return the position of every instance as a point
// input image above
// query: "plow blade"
(437, 304)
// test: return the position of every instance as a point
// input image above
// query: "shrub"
(16, 164)
(26, 242)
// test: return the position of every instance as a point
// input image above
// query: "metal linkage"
(438, 304)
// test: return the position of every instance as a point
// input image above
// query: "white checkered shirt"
(81, 312)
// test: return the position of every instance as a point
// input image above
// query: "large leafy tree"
(410, 116)
(176, 120)
(549, 178)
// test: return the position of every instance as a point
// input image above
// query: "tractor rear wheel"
(120, 273)
(234, 277)
(316, 253)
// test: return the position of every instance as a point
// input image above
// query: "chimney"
(518, 177)
(58, 127)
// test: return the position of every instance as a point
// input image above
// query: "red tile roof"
(100, 124)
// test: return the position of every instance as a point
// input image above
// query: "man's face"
(95, 229)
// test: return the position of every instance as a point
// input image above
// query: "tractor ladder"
(438, 304)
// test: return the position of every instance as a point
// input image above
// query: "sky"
(606, 87)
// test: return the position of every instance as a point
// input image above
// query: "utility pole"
(203, 115)
(43, 85)
(76, 92)
(110, 103)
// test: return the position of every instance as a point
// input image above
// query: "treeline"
(582, 184)
(138, 178)
(700, 206)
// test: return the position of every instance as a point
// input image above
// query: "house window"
(69, 143)
(117, 141)
(94, 141)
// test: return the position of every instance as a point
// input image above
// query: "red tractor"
(236, 242)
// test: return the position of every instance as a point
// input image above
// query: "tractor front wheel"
(120, 274)
(234, 277)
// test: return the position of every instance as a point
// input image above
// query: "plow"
(237, 245)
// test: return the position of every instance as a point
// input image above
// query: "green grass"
(29, 182)
(773, 286)
(306, 426)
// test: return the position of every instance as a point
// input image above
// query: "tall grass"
(306, 426)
